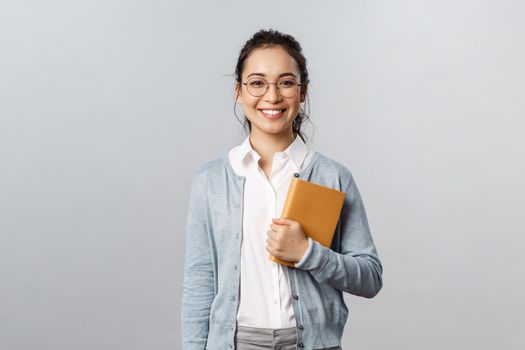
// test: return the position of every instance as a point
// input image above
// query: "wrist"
(304, 247)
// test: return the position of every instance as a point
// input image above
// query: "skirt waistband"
(266, 336)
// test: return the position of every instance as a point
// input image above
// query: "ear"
(303, 93)
(238, 95)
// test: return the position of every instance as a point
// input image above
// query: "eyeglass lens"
(288, 87)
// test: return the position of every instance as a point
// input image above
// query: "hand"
(286, 240)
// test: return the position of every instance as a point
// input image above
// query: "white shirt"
(265, 299)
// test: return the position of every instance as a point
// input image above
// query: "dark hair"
(268, 38)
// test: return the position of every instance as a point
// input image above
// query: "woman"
(234, 297)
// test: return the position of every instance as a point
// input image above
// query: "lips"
(271, 113)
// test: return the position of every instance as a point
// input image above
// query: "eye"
(287, 83)
(257, 83)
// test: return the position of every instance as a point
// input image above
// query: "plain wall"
(107, 108)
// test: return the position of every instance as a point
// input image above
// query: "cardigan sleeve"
(199, 281)
(357, 269)
(306, 253)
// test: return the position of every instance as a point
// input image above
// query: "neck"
(268, 144)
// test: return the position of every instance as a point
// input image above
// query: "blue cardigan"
(212, 259)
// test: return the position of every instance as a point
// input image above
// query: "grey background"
(108, 108)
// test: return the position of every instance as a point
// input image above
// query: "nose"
(272, 94)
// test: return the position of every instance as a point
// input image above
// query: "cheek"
(295, 106)
(250, 103)
(246, 100)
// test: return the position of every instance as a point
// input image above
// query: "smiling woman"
(271, 94)
(233, 295)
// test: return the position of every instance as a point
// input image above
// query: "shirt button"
(296, 297)
(301, 327)
(296, 174)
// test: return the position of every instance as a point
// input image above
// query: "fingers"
(271, 245)
(284, 221)
(272, 235)
(273, 252)
(274, 239)
(276, 228)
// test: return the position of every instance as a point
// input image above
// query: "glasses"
(258, 86)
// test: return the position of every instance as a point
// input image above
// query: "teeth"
(272, 111)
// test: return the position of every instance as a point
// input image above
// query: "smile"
(272, 113)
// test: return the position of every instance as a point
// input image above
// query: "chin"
(274, 130)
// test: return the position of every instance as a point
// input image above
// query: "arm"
(357, 269)
(199, 280)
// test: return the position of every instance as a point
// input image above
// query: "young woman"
(234, 297)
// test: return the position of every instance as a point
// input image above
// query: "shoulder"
(330, 167)
(214, 172)
(334, 174)
(210, 168)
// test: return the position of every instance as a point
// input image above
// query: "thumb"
(282, 221)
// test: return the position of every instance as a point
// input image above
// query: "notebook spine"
(289, 197)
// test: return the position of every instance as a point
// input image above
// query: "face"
(270, 63)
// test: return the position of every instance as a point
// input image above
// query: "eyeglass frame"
(267, 86)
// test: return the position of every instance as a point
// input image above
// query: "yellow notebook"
(316, 208)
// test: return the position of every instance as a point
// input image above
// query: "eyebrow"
(264, 75)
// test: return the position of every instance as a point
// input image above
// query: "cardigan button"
(301, 327)
(296, 175)
(301, 345)
(295, 297)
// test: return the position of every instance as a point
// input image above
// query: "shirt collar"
(296, 151)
